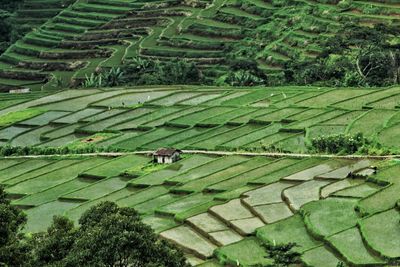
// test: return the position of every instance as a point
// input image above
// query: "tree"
(108, 236)
(8, 29)
(52, 246)
(138, 71)
(355, 56)
(375, 60)
(13, 248)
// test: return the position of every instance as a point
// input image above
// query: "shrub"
(334, 144)
(108, 236)
(140, 71)
(283, 255)
(106, 78)
(8, 150)
(347, 144)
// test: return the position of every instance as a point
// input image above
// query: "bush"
(108, 236)
(283, 255)
(347, 144)
(148, 72)
(340, 143)
(8, 150)
(107, 78)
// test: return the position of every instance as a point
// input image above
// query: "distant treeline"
(9, 32)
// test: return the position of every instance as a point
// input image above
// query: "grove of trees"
(107, 235)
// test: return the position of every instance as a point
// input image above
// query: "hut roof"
(166, 152)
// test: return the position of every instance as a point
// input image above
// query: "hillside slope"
(93, 34)
(280, 119)
(227, 208)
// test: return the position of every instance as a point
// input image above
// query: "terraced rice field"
(221, 210)
(71, 39)
(205, 118)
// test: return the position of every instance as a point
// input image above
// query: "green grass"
(18, 116)
(157, 114)
(202, 183)
(382, 200)
(299, 195)
(43, 215)
(378, 237)
(291, 230)
(58, 164)
(54, 178)
(137, 142)
(371, 123)
(255, 174)
(175, 169)
(102, 125)
(44, 118)
(167, 195)
(320, 256)
(213, 142)
(52, 194)
(22, 168)
(76, 116)
(142, 196)
(286, 167)
(327, 217)
(116, 166)
(350, 245)
(128, 100)
(207, 169)
(332, 97)
(6, 163)
(170, 141)
(358, 191)
(198, 117)
(247, 252)
(185, 204)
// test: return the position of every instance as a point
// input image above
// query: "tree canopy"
(107, 235)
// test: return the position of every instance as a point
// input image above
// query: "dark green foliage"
(107, 236)
(106, 78)
(13, 249)
(9, 33)
(283, 255)
(30, 150)
(10, 6)
(347, 144)
(52, 246)
(244, 72)
(355, 56)
(147, 72)
(334, 144)
(242, 78)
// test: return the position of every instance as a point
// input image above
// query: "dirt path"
(218, 153)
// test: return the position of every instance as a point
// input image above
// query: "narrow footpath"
(217, 153)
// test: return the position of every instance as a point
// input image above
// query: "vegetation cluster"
(106, 236)
(348, 144)
(9, 31)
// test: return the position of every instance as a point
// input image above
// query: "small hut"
(167, 155)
